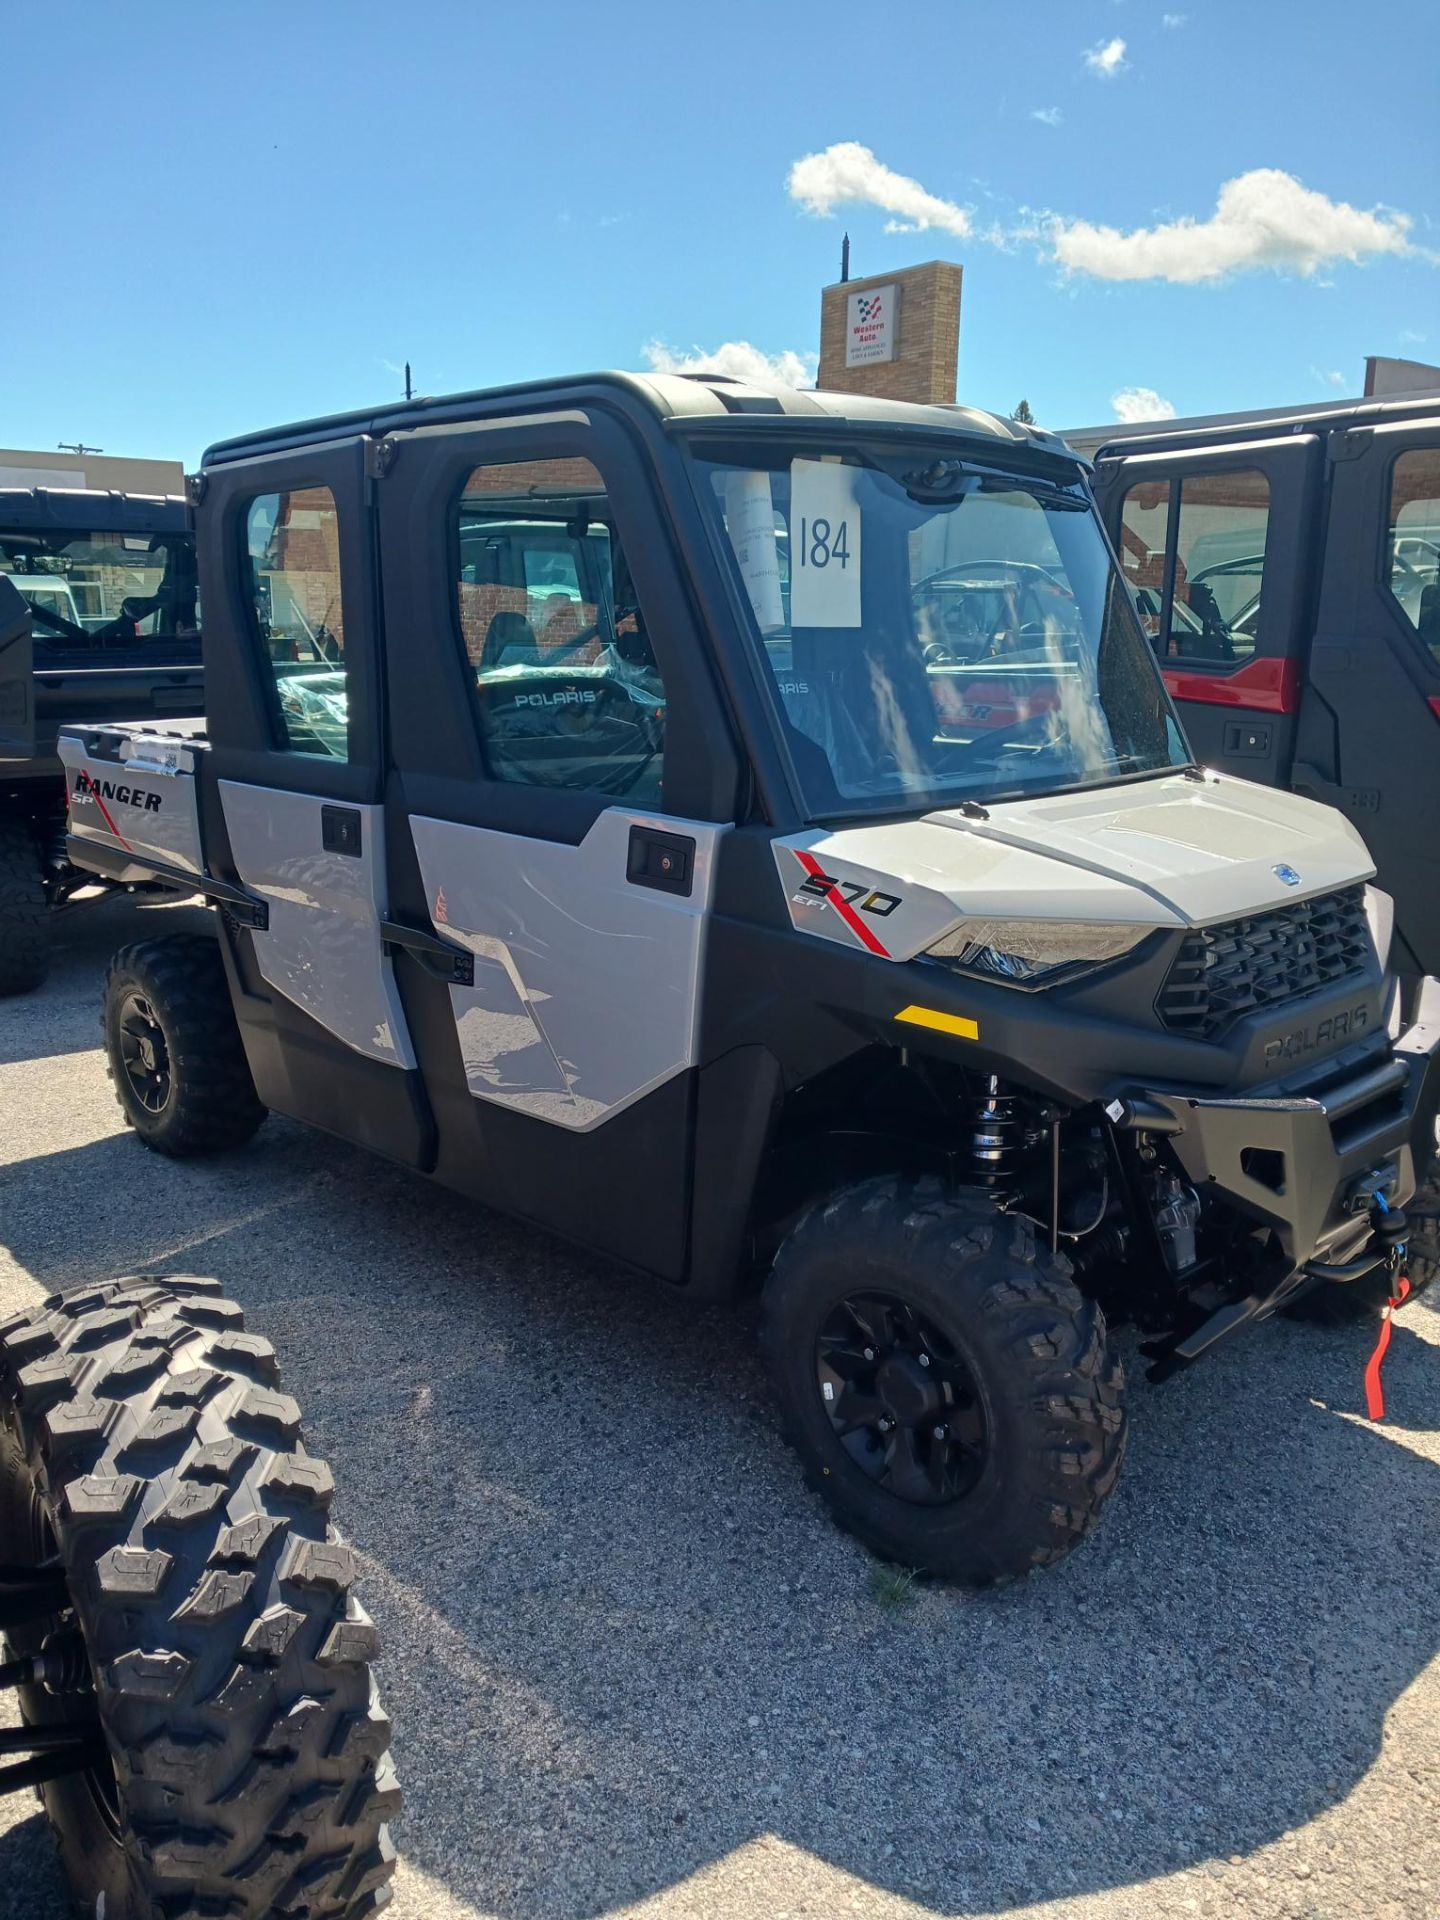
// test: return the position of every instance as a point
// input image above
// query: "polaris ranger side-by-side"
(745, 832)
(98, 620)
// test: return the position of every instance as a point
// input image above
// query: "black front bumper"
(1306, 1160)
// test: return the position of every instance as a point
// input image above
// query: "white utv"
(829, 899)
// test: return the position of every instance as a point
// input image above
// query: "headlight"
(1034, 953)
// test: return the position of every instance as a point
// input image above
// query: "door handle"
(662, 860)
(340, 830)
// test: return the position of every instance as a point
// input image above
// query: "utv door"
(556, 795)
(1372, 702)
(294, 812)
(1217, 549)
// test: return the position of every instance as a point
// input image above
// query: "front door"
(551, 820)
(297, 799)
(1374, 683)
(1216, 548)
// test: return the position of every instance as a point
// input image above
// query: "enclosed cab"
(831, 899)
(103, 586)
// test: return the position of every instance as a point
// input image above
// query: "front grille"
(1222, 973)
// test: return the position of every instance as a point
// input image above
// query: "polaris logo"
(571, 697)
(88, 788)
(1286, 875)
(1336, 1026)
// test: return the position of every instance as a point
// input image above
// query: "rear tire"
(1019, 1428)
(173, 1048)
(24, 911)
(240, 1762)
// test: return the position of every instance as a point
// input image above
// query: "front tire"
(24, 911)
(984, 1412)
(214, 1663)
(173, 1048)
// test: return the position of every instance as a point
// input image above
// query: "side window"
(1144, 521)
(567, 692)
(292, 555)
(1219, 558)
(1414, 543)
(1215, 526)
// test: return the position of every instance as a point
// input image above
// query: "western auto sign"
(870, 326)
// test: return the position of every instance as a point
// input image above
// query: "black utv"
(98, 621)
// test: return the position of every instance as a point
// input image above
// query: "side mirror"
(17, 683)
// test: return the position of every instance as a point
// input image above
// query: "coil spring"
(997, 1132)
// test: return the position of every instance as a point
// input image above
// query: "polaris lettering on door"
(88, 788)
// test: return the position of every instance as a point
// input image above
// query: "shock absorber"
(996, 1131)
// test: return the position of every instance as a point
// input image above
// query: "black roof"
(90, 510)
(677, 398)
(1323, 416)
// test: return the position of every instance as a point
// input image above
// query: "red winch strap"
(1374, 1392)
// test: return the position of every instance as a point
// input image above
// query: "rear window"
(103, 590)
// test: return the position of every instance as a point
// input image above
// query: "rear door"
(1216, 546)
(1375, 665)
(556, 800)
(295, 811)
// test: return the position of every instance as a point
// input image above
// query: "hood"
(1172, 852)
(1203, 850)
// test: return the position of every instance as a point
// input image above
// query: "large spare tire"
(193, 1669)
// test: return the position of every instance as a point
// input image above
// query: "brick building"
(895, 335)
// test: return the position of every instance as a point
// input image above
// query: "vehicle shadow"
(63, 1016)
(622, 1641)
(30, 1884)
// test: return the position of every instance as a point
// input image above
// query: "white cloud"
(1173, 19)
(848, 172)
(736, 357)
(1133, 404)
(1107, 59)
(1328, 376)
(1264, 218)
(1048, 116)
(1411, 337)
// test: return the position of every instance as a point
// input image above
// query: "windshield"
(103, 589)
(934, 631)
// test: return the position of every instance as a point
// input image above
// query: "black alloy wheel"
(901, 1399)
(144, 1054)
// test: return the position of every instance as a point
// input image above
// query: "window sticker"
(750, 522)
(824, 545)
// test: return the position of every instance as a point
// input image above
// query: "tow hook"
(1388, 1231)
(1390, 1226)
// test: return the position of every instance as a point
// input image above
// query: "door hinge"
(379, 458)
(441, 959)
(1349, 445)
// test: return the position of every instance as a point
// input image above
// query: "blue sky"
(236, 216)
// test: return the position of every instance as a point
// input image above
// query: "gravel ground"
(633, 1669)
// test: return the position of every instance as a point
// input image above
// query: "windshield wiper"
(952, 481)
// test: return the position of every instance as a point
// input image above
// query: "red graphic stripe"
(841, 905)
(89, 793)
